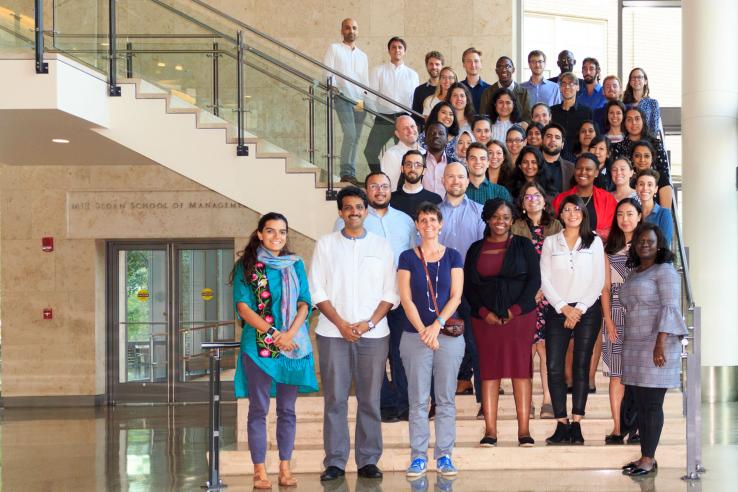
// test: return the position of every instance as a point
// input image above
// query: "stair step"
(506, 456)
(469, 432)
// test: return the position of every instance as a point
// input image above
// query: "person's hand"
(285, 342)
(348, 331)
(573, 315)
(361, 327)
(569, 324)
(359, 107)
(429, 336)
(658, 355)
(539, 296)
(612, 332)
(510, 316)
(492, 319)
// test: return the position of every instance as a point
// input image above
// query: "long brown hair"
(247, 257)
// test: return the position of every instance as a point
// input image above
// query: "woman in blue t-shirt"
(430, 279)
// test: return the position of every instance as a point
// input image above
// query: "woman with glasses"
(572, 276)
(599, 203)
(502, 277)
(445, 80)
(637, 94)
(515, 140)
(538, 221)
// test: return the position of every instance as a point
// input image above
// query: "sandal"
(287, 481)
(262, 483)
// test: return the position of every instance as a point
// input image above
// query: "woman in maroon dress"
(501, 279)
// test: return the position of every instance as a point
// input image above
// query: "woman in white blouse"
(572, 277)
(446, 79)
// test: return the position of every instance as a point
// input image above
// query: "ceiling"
(25, 140)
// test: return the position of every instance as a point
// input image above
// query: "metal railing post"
(241, 148)
(214, 482)
(129, 60)
(113, 87)
(216, 81)
(330, 193)
(311, 123)
(38, 14)
(694, 400)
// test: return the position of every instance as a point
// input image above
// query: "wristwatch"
(271, 331)
(370, 324)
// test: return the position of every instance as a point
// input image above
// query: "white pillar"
(710, 157)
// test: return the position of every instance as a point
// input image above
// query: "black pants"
(557, 342)
(381, 132)
(650, 404)
(470, 363)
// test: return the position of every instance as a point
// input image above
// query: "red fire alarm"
(48, 313)
(47, 244)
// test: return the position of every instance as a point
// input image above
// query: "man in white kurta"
(352, 282)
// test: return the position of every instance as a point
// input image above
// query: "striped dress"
(612, 352)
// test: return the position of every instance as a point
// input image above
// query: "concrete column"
(710, 209)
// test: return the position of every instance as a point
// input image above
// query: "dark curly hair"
(491, 108)
(247, 257)
(490, 207)
(663, 254)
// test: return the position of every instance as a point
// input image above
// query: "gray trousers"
(422, 363)
(362, 362)
(352, 122)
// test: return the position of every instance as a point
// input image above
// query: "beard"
(588, 79)
(380, 205)
(413, 178)
(554, 151)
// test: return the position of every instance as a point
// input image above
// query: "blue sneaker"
(444, 466)
(417, 468)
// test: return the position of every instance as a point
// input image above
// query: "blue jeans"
(352, 123)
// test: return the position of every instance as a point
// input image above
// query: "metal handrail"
(302, 55)
(681, 249)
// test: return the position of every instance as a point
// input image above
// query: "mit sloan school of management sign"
(157, 214)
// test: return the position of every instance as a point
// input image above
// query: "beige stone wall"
(449, 27)
(66, 356)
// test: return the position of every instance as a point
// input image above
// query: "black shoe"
(501, 392)
(331, 473)
(390, 417)
(575, 433)
(526, 442)
(370, 471)
(592, 389)
(639, 472)
(350, 179)
(634, 438)
(432, 411)
(488, 442)
(614, 439)
(560, 436)
(629, 466)
(569, 390)
(480, 413)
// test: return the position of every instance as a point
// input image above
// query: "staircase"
(308, 455)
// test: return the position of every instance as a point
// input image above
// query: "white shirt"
(355, 275)
(394, 226)
(350, 62)
(572, 276)
(397, 83)
(391, 161)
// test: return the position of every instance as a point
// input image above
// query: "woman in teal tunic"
(272, 298)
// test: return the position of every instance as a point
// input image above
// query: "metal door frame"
(172, 391)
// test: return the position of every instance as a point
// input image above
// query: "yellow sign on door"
(143, 295)
(206, 294)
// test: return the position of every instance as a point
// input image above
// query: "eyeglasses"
(413, 165)
(533, 197)
(569, 85)
(448, 77)
(514, 140)
(637, 77)
(375, 187)
(572, 210)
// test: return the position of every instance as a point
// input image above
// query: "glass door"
(164, 300)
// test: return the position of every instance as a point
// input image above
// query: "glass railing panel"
(80, 29)
(16, 24)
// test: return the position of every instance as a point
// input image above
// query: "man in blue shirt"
(472, 61)
(462, 225)
(590, 93)
(539, 89)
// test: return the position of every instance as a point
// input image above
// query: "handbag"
(454, 327)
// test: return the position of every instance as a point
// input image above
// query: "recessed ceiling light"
(60, 140)
(161, 64)
(178, 68)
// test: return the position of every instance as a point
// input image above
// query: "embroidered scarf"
(288, 306)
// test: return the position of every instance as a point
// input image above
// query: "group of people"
(455, 265)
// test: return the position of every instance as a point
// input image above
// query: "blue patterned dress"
(612, 352)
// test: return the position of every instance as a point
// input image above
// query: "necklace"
(588, 199)
(431, 307)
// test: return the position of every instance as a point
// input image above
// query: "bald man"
(391, 163)
(346, 58)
